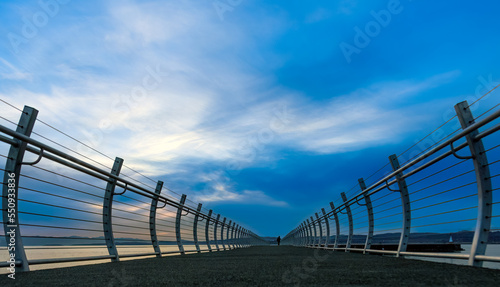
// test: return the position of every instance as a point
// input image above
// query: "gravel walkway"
(263, 266)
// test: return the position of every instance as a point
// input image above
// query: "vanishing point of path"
(263, 266)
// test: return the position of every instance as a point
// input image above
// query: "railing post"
(107, 210)
(152, 219)
(247, 242)
(222, 234)
(369, 210)
(484, 186)
(232, 235)
(337, 226)
(227, 235)
(215, 232)
(309, 233)
(305, 233)
(10, 191)
(320, 230)
(351, 225)
(315, 232)
(195, 228)
(241, 237)
(297, 236)
(244, 238)
(327, 224)
(178, 224)
(237, 237)
(405, 203)
(207, 227)
(302, 237)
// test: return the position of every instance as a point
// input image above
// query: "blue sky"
(252, 107)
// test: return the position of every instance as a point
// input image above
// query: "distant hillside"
(462, 237)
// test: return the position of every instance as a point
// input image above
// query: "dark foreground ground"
(263, 266)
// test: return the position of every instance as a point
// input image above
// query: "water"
(44, 252)
(491, 250)
(41, 252)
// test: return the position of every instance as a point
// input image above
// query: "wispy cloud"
(200, 102)
(222, 194)
(10, 72)
(366, 117)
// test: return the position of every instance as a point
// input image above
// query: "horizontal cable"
(448, 201)
(492, 148)
(361, 227)
(427, 135)
(69, 149)
(385, 230)
(489, 110)
(82, 166)
(165, 220)
(74, 179)
(494, 162)
(126, 218)
(75, 139)
(9, 121)
(60, 227)
(438, 183)
(60, 196)
(430, 147)
(58, 206)
(95, 150)
(152, 180)
(138, 181)
(446, 212)
(135, 199)
(60, 217)
(376, 172)
(484, 95)
(131, 226)
(442, 192)
(11, 105)
(378, 218)
(131, 205)
(70, 238)
(164, 235)
(376, 199)
(130, 212)
(359, 217)
(493, 176)
(390, 208)
(451, 166)
(59, 185)
(431, 224)
(392, 200)
(130, 233)
(387, 223)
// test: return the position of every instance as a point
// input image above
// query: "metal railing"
(75, 201)
(439, 188)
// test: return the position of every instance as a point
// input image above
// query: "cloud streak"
(201, 102)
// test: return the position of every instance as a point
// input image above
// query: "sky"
(262, 110)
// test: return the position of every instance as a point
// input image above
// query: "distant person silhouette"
(279, 240)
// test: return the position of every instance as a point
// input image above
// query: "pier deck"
(263, 266)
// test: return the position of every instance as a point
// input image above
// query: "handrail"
(470, 132)
(429, 153)
(21, 142)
